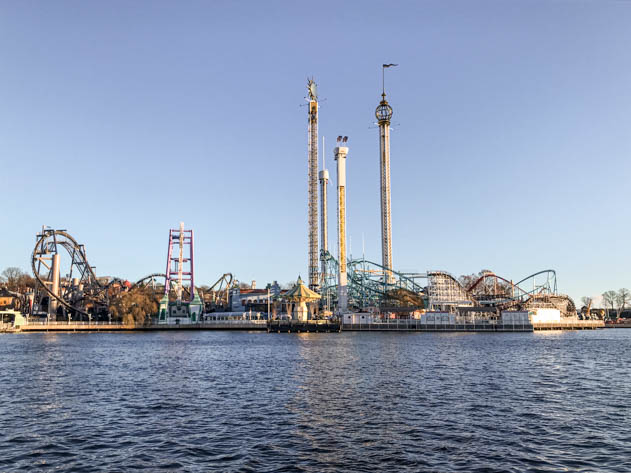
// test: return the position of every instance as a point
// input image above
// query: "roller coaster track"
(149, 278)
(86, 289)
(48, 244)
(445, 290)
(220, 289)
(367, 282)
(226, 278)
(518, 293)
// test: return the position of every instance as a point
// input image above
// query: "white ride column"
(342, 289)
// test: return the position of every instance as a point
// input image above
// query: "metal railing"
(418, 325)
(572, 323)
(310, 322)
(121, 324)
(230, 322)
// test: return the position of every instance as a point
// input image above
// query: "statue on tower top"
(313, 91)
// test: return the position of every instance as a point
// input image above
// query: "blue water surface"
(258, 402)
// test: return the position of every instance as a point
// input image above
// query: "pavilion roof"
(300, 293)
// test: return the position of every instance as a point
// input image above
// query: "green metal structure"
(368, 285)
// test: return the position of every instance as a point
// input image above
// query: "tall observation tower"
(312, 155)
(384, 114)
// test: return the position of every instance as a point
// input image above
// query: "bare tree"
(288, 285)
(622, 299)
(26, 282)
(466, 280)
(11, 277)
(609, 299)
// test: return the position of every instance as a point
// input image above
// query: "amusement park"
(340, 292)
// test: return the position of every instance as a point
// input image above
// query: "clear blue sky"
(120, 119)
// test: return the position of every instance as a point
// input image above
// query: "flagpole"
(383, 78)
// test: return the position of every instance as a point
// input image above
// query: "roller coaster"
(369, 286)
(216, 295)
(539, 290)
(219, 292)
(79, 294)
(68, 286)
(155, 281)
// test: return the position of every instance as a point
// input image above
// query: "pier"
(310, 326)
(398, 325)
(297, 326)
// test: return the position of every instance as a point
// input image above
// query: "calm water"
(232, 401)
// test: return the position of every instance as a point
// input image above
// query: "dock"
(311, 326)
(6, 328)
(623, 325)
(297, 326)
(571, 325)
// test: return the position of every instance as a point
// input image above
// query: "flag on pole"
(389, 65)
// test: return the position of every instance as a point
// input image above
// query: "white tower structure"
(342, 289)
(324, 223)
(384, 114)
(180, 266)
(52, 304)
(324, 215)
(312, 156)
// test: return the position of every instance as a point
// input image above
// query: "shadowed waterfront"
(234, 401)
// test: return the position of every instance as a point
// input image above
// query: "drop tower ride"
(384, 114)
(312, 156)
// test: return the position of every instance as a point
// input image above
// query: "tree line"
(16, 280)
(131, 306)
(614, 301)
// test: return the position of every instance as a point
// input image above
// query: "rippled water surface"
(237, 401)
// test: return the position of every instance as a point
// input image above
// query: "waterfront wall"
(478, 326)
(314, 326)
(64, 326)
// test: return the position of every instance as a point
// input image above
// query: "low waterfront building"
(515, 317)
(358, 318)
(544, 315)
(184, 312)
(8, 300)
(253, 299)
